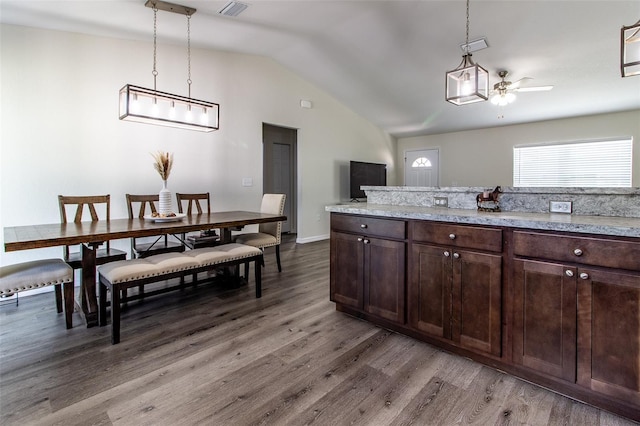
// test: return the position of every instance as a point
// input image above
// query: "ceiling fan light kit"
(151, 106)
(630, 50)
(469, 82)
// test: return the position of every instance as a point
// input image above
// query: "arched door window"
(421, 162)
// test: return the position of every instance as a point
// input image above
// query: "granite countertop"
(602, 225)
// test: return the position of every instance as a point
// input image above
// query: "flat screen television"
(369, 174)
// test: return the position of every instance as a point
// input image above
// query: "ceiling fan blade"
(533, 89)
(517, 83)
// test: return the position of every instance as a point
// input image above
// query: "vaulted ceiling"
(387, 59)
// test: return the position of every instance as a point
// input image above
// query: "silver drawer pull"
(584, 276)
(447, 254)
(360, 239)
(456, 256)
(577, 252)
(363, 226)
(366, 241)
(568, 273)
(452, 236)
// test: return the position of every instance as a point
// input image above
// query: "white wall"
(484, 157)
(60, 132)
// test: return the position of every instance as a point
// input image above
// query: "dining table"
(91, 234)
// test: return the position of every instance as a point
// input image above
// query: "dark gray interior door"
(279, 157)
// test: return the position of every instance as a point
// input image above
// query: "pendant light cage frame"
(630, 50)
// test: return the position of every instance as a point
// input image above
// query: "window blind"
(601, 163)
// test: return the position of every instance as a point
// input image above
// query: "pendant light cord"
(155, 32)
(467, 39)
(189, 53)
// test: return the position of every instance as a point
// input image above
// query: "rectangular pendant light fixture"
(468, 82)
(630, 50)
(152, 106)
(165, 109)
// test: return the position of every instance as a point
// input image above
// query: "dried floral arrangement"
(163, 163)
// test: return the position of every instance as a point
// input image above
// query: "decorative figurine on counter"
(488, 201)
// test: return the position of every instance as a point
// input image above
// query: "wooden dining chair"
(103, 255)
(142, 247)
(269, 234)
(197, 203)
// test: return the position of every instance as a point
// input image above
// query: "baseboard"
(312, 239)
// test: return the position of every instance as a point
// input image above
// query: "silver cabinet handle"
(366, 241)
(452, 236)
(363, 226)
(360, 239)
(577, 252)
(568, 273)
(584, 276)
(447, 254)
(456, 256)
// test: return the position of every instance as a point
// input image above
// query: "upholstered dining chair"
(197, 203)
(137, 208)
(269, 234)
(103, 255)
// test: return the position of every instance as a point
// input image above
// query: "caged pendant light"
(165, 109)
(630, 50)
(469, 82)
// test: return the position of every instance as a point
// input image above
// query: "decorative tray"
(177, 217)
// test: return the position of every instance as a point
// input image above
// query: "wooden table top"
(57, 234)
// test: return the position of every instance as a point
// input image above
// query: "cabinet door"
(544, 332)
(429, 292)
(608, 333)
(347, 274)
(384, 277)
(477, 300)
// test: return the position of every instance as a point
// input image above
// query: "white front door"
(422, 167)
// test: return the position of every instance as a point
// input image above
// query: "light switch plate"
(560, 206)
(247, 182)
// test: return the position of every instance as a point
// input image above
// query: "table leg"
(88, 299)
(225, 235)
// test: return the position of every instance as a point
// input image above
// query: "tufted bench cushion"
(36, 274)
(120, 275)
(166, 263)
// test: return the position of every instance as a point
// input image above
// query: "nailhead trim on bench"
(120, 275)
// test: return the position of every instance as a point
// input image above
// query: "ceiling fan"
(503, 91)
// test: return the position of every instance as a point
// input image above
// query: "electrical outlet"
(441, 201)
(560, 206)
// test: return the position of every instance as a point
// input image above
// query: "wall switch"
(247, 182)
(560, 206)
(441, 201)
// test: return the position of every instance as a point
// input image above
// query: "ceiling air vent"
(233, 8)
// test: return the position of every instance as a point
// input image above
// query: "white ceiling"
(387, 59)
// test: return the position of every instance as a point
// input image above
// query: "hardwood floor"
(217, 356)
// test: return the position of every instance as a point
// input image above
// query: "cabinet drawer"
(369, 226)
(604, 252)
(473, 237)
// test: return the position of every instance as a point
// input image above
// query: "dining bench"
(121, 275)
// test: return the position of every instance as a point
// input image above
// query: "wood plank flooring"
(210, 355)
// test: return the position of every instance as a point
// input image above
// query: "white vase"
(164, 201)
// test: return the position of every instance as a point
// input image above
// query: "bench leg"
(68, 303)
(58, 292)
(258, 275)
(102, 304)
(115, 314)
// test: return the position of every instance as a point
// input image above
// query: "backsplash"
(621, 202)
